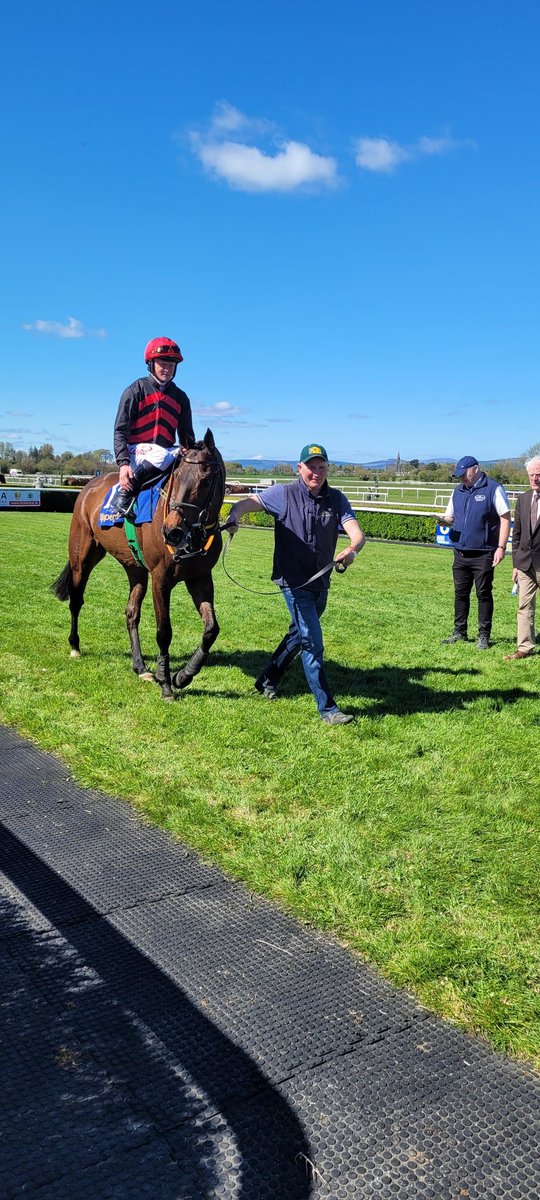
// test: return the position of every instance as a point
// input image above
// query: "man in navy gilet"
(479, 511)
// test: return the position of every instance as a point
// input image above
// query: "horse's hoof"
(147, 677)
(180, 680)
(168, 699)
(74, 654)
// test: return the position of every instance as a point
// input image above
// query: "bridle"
(192, 537)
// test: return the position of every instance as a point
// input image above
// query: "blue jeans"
(304, 637)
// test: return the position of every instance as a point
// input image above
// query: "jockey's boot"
(124, 499)
(124, 502)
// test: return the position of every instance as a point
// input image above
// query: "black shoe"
(123, 502)
(483, 642)
(338, 718)
(266, 688)
(454, 637)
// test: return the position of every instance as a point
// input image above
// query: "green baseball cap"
(312, 450)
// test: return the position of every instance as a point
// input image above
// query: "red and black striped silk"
(157, 419)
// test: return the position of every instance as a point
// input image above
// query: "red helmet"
(162, 348)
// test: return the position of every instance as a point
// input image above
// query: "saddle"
(144, 505)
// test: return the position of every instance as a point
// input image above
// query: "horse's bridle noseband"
(181, 541)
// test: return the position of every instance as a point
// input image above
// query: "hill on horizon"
(380, 464)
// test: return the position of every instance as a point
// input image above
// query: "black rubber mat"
(167, 1035)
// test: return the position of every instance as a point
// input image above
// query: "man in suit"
(526, 558)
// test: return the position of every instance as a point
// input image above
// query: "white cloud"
(73, 329)
(383, 155)
(379, 154)
(226, 152)
(251, 170)
(228, 119)
(225, 415)
(221, 409)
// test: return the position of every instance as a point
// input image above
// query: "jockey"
(152, 413)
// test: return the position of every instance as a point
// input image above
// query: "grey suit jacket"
(525, 546)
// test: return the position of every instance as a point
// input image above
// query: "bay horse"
(181, 544)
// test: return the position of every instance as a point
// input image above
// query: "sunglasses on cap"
(165, 351)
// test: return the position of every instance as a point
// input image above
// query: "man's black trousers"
(473, 566)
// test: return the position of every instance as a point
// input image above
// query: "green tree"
(7, 456)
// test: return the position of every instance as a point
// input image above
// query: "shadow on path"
(172, 1090)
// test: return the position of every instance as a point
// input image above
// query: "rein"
(331, 566)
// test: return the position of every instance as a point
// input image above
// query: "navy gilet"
(476, 520)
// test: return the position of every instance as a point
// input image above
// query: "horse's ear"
(209, 440)
(190, 442)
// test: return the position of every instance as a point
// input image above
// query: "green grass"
(413, 835)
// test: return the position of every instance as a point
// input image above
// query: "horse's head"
(194, 499)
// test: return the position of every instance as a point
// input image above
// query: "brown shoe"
(518, 654)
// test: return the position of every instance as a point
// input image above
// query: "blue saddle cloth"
(143, 509)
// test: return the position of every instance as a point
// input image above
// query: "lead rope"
(334, 565)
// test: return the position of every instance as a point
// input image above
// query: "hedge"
(390, 526)
(398, 527)
(58, 500)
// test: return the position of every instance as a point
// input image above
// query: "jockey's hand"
(126, 476)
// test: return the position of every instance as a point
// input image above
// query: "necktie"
(534, 511)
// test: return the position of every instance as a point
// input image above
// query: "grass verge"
(413, 835)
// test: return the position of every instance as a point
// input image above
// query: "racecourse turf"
(412, 835)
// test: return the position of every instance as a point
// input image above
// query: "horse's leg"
(138, 583)
(161, 595)
(84, 555)
(201, 591)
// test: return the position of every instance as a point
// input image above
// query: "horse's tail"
(62, 586)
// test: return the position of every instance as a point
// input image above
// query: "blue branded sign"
(14, 497)
(442, 536)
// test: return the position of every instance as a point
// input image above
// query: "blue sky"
(333, 207)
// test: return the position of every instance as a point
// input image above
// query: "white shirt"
(502, 504)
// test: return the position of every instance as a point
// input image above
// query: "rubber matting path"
(166, 1035)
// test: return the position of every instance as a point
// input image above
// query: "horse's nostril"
(173, 536)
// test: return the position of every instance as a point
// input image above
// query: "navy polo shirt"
(306, 531)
